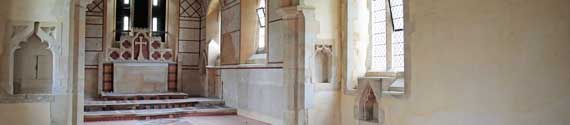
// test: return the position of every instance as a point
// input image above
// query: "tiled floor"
(195, 120)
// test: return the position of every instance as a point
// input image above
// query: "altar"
(141, 64)
(140, 77)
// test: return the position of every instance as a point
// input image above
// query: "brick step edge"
(157, 116)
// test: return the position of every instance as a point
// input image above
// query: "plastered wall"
(256, 93)
(483, 62)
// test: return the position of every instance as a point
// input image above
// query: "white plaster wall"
(256, 93)
(484, 62)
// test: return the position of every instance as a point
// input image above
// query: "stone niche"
(368, 110)
(322, 67)
(33, 53)
(323, 63)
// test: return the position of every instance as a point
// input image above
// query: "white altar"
(140, 77)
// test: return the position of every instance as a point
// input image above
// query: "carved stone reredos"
(139, 46)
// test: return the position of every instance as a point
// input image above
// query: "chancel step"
(149, 104)
(211, 110)
(143, 96)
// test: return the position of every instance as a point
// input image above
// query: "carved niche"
(32, 57)
(367, 109)
(33, 67)
(323, 63)
(140, 47)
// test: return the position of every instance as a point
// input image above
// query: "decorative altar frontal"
(141, 64)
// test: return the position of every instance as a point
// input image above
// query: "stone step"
(143, 96)
(91, 105)
(213, 110)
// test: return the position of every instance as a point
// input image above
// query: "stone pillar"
(77, 44)
(300, 35)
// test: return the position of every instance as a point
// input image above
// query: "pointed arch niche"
(323, 63)
(368, 110)
(33, 53)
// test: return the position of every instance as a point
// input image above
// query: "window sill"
(383, 74)
(392, 84)
(257, 59)
(248, 66)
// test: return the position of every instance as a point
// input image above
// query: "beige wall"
(248, 29)
(484, 62)
(25, 114)
(213, 21)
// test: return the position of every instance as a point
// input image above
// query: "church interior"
(284, 62)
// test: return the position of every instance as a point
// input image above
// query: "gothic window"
(261, 15)
(387, 54)
(145, 14)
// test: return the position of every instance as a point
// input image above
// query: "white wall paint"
(484, 62)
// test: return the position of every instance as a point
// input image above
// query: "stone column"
(78, 58)
(300, 35)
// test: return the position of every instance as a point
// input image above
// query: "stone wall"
(94, 45)
(192, 46)
(54, 107)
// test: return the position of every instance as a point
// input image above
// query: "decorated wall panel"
(190, 45)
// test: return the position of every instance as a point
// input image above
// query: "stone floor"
(195, 120)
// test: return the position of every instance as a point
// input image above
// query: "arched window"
(145, 14)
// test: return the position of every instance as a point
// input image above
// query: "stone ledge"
(248, 66)
(26, 98)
